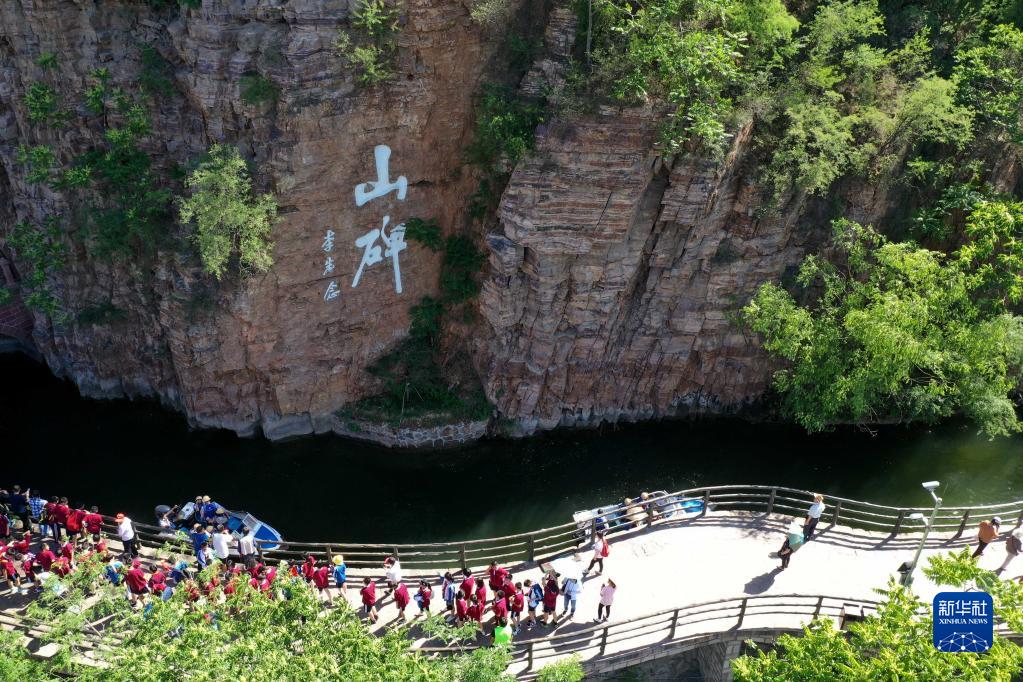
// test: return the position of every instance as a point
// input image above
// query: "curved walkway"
(720, 555)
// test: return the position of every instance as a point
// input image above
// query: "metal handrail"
(550, 541)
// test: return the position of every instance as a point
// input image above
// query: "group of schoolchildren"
(469, 598)
(28, 561)
(66, 535)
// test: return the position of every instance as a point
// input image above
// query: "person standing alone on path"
(369, 599)
(601, 550)
(986, 534)
(607, 595)
(813, 516)
(1013, 547)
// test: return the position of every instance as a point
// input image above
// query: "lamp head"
(931, 486)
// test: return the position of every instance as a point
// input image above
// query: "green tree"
(227, 217)
(895, 332)
(41, 251)
(989, 78)
(243, 636)
(893, 644)
(993, 254)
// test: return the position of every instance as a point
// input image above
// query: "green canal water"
(130, 456)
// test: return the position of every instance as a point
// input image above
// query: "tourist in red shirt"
(5, 525)
(423, 597)
(157, 581)
(68, 552)
(61, 567)
(21, 546)
(481, 591)
(46, 558)
(28, 567)
(74, 522)
(369, 599)
(401, 599)
(321, 578)
(499, 607)
(309, 568)
(497, 576)
(516, 606)
(468, 583)
(461, 609)
(60, 514)
(49, 519)
(475, 610)
(93, 523)
(135, 579)
(550, 601)
(508, 588)
(10, 572)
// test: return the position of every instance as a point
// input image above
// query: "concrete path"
(720, 555)
(724, 555)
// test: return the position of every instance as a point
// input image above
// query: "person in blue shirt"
(340, 574)
(199, 536)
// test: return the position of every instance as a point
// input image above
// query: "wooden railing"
(548, 542)
(676, 625)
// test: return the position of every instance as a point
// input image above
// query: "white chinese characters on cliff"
(379, 243)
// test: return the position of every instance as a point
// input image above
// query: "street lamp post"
(907, 575)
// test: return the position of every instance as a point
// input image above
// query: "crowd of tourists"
(40, 537)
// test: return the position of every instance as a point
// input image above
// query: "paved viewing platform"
(706, 578)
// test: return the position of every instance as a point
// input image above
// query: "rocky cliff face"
(269, 352)
(614, 270)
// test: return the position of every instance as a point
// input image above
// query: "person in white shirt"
(247, 548)
(813, 516)
(222, 544)
(126, 531)
(392, 573)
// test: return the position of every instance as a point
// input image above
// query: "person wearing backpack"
(534, 597)
(1013, 547)
(448, 591)
(601, 550)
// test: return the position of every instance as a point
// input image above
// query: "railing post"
(898, 522)
(817, 609)
(770, 502)
(962, 525)
(531, 548)
(330, 555)
(836, 513)
(1019, 519)
(674, 624)
(593, 529)
(706, 503)
(603, 641)
(395, 550)
(742, 613)
(529, 656)
(259, 550)
(650, 513)
(461, 555)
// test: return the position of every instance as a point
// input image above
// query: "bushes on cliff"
(228, 218)
(370, 48)
(40, 249)
(895, 331)
(833, 88)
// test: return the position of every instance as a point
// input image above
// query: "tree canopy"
(897, 331)
(228, 218)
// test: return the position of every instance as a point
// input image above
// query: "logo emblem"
(963, 621)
